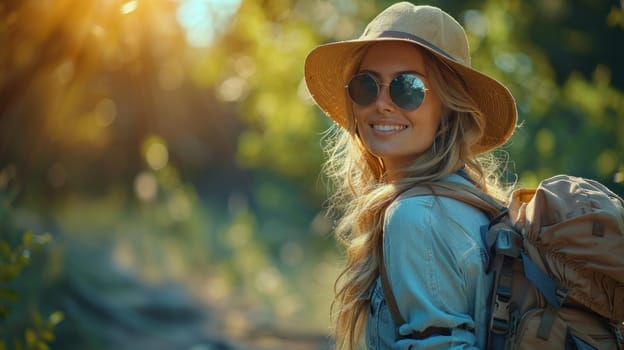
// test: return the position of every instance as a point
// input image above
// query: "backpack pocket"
(548, 328)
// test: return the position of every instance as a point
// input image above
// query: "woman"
(409, 110)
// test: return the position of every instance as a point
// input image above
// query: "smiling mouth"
(386, 127)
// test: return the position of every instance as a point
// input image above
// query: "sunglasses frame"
(379, 85)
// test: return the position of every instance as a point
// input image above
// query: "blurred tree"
(86, 84)
(83, 85)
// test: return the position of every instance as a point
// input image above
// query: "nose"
(384, 102)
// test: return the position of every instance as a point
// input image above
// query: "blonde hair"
(362, 191)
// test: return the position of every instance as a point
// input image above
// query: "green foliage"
(22, 325)
(36, 333)
(12, 261)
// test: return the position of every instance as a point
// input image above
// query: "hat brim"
(328, 67)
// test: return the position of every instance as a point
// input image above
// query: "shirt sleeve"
(435, 262)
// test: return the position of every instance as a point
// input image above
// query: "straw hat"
(328, 67)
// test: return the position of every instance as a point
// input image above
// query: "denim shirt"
(435, 259)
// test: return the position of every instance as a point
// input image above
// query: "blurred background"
(160, 160)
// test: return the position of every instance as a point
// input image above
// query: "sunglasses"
(407, 91)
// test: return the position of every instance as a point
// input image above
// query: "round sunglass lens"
(363, 89)
(407, 91)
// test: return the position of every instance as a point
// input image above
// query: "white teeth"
(385, 127)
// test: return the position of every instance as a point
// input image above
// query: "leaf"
(5, 250)
(31, 338)
(27, 238)
(55, 318)
(9, 295)
(37, 320)
(5, 311)
(24, 259)
(47, 336)
(43, 239)
(10, 272)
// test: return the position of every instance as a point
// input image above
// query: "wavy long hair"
(362, 190)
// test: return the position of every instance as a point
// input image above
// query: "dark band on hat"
(403, 35)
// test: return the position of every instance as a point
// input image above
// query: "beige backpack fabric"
(557, 252)
(574, 229)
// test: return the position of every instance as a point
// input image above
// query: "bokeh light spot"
(64, 72)
(145, 186)
(105, 112)
(545, 142)
(179, 207)
(607, 162)
(268, 280)
(156, 153)
(476, 23)
(202, 19)
(618, 177)
(129, 7)
(239, 235)
(506, 62)
(232, 89)
(291, 253)
(245, 66)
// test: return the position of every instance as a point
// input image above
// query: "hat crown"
(430, 25)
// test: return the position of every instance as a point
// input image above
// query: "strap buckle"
(508, 242)
(499, 322)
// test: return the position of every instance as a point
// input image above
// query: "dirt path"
(109, 308)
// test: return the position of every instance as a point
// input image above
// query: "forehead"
(393, 56)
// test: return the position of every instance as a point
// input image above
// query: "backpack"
(557, 254)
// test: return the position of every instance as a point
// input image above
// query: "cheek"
(436, 112)
(435, 123)
(358, 117)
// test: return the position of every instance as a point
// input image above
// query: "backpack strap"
(500, 304)
(554, 294)
(396, 314)
(390, 299)
(458, 191)
(464, 193)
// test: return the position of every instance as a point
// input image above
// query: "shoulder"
(431, 213)
(424, 216)
(430, 209)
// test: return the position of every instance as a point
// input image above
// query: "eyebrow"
(377, 75)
